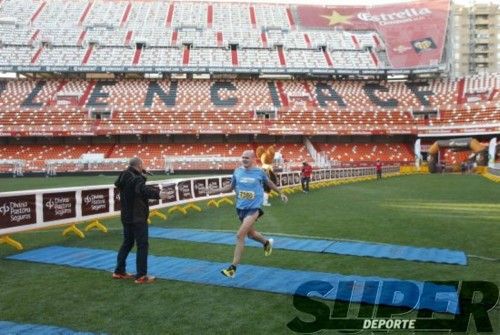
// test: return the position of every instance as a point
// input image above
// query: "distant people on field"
(378, 168)
(305, 176)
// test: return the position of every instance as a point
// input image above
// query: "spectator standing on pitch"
(248, 183)
(305, 176)
(378, 168)
(134, 195)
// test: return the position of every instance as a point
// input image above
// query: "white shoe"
(269, 248)
(266, 204)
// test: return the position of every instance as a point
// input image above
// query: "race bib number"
(247, 195)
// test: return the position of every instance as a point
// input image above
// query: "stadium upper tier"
(78, 107)
(242, 37)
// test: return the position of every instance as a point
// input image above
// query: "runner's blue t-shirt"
(248, 185)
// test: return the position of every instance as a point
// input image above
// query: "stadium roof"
(348, 2)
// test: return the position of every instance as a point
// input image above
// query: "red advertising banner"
(58, 206)
(95, 201)
(17, 211)
(413, 32)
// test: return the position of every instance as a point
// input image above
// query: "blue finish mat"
(366, 249)
(372, 290)
(7, 327)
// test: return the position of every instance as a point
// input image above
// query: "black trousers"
(305, 183)
(138, 233)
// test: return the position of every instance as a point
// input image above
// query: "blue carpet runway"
(364, 249)
(392, 292)
(7, 328)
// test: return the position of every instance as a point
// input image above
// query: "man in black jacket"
(134, 195)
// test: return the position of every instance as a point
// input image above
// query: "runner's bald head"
(248, 158)
(249, 153)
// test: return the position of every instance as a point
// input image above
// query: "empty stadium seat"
(367, 152)
(197, 106)
(259, 32)
(154, 155)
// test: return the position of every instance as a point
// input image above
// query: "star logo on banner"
(401, 48)
(336, 18)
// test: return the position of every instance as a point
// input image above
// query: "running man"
(248, 182)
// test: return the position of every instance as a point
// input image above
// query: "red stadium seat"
(201, 106)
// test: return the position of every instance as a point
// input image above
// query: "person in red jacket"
(378, 167)
(305, 175)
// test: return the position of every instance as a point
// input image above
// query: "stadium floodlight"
(201, 76)
(397, 77)
(141, 40)
(178, 76)
(153, 75)
(8, 75)
(8, 21)
(275, 76)
(425, 75)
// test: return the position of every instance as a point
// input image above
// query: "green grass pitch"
(443, 211)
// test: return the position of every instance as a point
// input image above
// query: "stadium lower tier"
(193, 156)
(306, 107)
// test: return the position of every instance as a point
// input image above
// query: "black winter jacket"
(134, 195)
